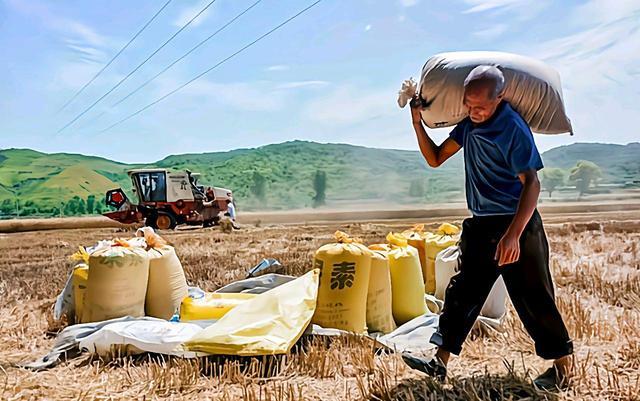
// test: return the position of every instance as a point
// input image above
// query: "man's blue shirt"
(495, 152)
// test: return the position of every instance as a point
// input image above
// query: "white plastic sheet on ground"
(413, 336)
(142, 335)
(65, 302)
(256, 285)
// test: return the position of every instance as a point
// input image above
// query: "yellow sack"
(415, 238)
(167, 285)
(79, 279)
(380, 247)
(117, 283)
(379, 311)
(407, 289)
(445, 236)
(213, 305)
(268, 324)
(344, 282)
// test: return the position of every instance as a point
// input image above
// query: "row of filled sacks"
(268, 323)
(140, 276)
(378, 287)
(360, 287)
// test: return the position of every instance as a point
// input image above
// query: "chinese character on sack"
(342, 275)
(318, 264)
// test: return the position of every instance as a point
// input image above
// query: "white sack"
(531, 87)
(447, 266)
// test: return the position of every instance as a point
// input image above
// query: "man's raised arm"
(434, 155)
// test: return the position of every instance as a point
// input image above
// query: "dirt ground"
(595, 263)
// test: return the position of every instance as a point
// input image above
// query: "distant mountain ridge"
(354, 173)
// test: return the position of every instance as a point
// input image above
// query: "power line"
(114, 57)
(186, 54)
(212, 68)
(137, 68)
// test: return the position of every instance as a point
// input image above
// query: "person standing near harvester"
(505, 236)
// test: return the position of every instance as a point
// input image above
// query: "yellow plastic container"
(379, 298)
(344, 282)
(79, 279)
(213, 305)
(445, 236)
(407, 287)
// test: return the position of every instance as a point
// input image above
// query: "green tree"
(71, 208)
(29, 209)
(91, 204)
(82, 206)
(584, 174)
(416, 188)
(7, 207)
(552, 178)
(320, 188)
(259, 186)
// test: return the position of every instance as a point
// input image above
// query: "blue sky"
(330, 76)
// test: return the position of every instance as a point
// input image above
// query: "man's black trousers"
(528, 282)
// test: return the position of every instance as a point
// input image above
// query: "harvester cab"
(167, 199)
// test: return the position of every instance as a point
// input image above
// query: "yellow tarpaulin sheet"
(268, 324)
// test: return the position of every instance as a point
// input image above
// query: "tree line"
(584, 175)
(76, 206)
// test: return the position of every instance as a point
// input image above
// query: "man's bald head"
(483, 92)
(485, 77)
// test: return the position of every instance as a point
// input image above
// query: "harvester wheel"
(165, 221)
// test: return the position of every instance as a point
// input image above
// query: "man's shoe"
(432, 367)
(551, 380)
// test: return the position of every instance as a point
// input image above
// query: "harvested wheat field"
(595, 263)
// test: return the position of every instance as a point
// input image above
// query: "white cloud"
(85, 33)
(599, 66)
(522, 9)
(347, 105)
(594, 57)
(486, 5)
(602, 11)
(79, 37)
(408, 3)
(246, 96)
(302, 84)
(72, 75)
(492, 32)
(189, 12)
(367, 27)
(279, 67)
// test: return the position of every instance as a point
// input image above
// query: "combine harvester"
(167, 199)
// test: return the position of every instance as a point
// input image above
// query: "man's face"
(480, 104)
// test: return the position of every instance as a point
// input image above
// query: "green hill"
(619, 163)
(43, 182)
